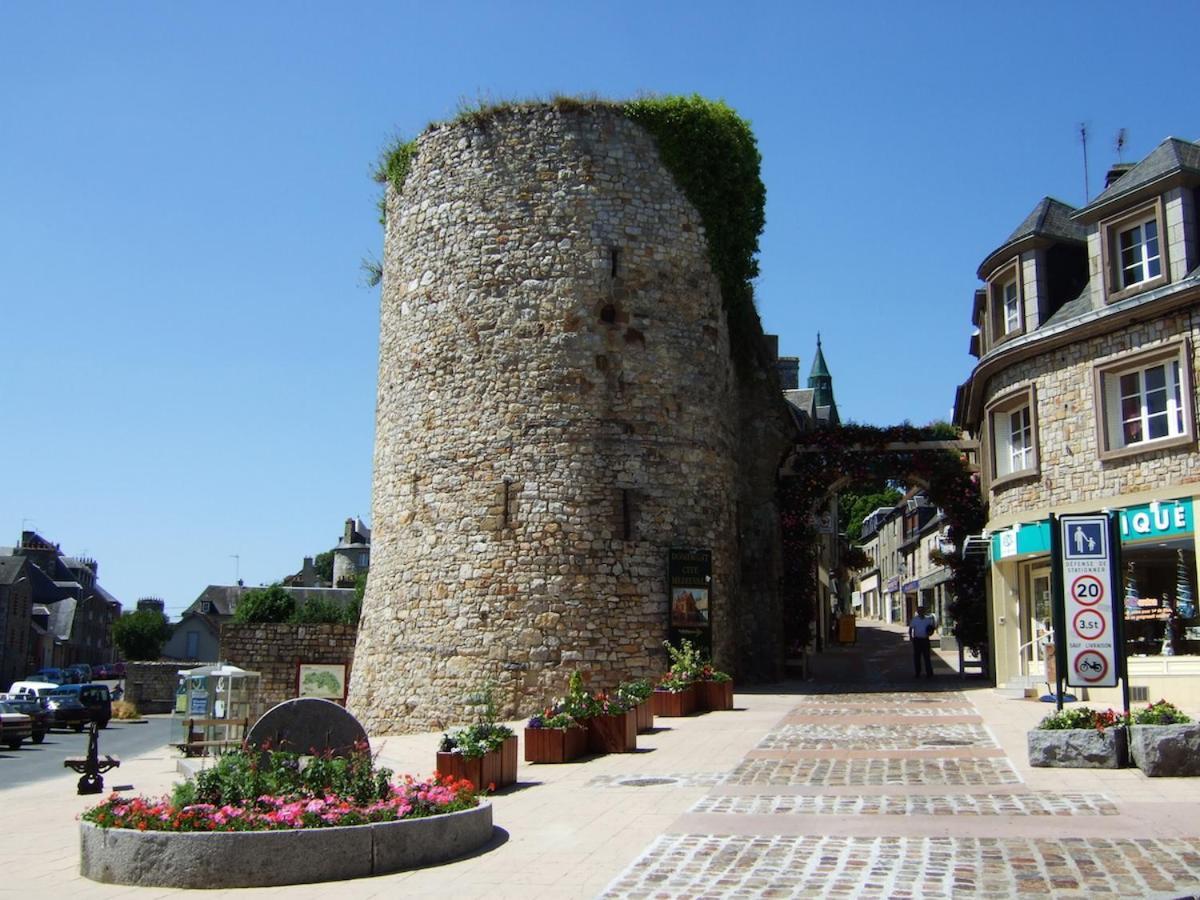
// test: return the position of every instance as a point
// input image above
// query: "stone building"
(558, 407)
(1083, 399)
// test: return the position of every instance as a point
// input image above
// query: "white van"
(34, 688)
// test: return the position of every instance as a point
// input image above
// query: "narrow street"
(879, 785)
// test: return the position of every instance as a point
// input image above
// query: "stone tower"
(556, 408)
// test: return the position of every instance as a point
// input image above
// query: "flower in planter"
(1160, 713)
(553, 717)
(602, 704)
(632, 693)
(708, 673)
(686, 660)
(673, 683)
(475, 740)
(1081, 717)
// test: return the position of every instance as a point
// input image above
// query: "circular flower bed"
(259, 819)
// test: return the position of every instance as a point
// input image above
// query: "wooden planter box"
(1169, 750)
(497, 768)
(645, 715)
(555, 745)
(1079, 748)
(675, 703)
(714, 695)
(612, 734)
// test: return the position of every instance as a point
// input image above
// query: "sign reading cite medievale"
(689, 586)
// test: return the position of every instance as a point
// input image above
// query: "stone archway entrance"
(824, 461)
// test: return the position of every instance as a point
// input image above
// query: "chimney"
(349, 536)
(788, 369)
(308, 577)
(1115, 173)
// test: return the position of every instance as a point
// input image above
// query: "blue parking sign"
(1085, 539)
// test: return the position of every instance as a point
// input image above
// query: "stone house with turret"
(1084, 398)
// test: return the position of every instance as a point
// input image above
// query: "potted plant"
(637, 695)
(610, 727)
(1163, 741)
(673, 696)
(1080, 738)
(714, 689)
(484, 753)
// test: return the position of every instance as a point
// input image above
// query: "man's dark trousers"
(922, 651)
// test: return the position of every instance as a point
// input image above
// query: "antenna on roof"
(1120, 144)
(1083, 140)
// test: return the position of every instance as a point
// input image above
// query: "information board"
(1090, 608)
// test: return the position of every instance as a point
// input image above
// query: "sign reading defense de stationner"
(1088, 627)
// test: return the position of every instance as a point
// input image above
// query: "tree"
(269, 604)
(323, 566)
(141, 634)
(857, 506)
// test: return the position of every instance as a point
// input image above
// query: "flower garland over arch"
(857, 454)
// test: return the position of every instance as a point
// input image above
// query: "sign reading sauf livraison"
(1087, 625)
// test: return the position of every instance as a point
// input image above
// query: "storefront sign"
(893, 584)
(1158, 520)
(1087, 604)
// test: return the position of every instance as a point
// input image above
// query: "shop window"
(1160, 602)
(1012, 426)
(1142, 401)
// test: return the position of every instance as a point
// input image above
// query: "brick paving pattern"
(931, 710)
(710, 866)
(1040, 804)
(898, 699)
(907, 736)
(947, 771)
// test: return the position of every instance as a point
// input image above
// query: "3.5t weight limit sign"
(1090, 607)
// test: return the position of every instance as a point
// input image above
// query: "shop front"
(1158, 583)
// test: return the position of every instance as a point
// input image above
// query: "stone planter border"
(265, 858)
(1166, 750)
(1079, 748)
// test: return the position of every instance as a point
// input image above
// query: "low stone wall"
(276, 651)
(208, 860)
(150, 686)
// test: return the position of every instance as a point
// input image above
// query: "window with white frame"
(1144, 402)
(1011, 299)
(1138, 254)
(1013, 436)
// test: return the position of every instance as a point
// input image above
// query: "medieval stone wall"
(556, 408)
(275, 651)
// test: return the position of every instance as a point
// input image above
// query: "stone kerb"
(265, 858)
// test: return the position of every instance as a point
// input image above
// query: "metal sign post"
(1087, 611)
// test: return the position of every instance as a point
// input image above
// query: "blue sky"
(189, 369)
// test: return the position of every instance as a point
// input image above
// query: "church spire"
(821, 383)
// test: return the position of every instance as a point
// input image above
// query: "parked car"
(102, 671)
(118, 670)
(36, 709)
(79, 673)
(14, 726)
(32, 688)
(93, 699)
(54, 676)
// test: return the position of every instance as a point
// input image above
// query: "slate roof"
(1050, 218)
(10, 568)
(1170, 156)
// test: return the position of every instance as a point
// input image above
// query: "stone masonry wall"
(556, 408)
(1067, 423)
(275, 650)
(150, 686)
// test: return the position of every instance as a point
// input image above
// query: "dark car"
(54, 676)
(38, 712)
(67, 701)
(79, 673)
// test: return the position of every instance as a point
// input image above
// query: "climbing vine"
(860, 452)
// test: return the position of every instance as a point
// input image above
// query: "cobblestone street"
(907, 793)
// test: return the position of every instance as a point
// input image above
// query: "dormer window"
(1140, 259)
(1006, 303)
(1135, 257)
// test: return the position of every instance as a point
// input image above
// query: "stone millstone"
(1166, 749)
(309, 726)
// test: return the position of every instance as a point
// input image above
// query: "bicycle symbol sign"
(1087, 590)
(1091, 666)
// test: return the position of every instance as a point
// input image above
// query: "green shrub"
(1081, 717)
(1160, 713)
(270, 604)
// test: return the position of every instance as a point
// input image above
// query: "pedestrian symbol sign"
(1089, 626)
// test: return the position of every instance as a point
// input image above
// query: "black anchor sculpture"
(91, 766)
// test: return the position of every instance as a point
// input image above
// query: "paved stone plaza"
(816, 789)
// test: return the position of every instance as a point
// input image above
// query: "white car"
(32, 688)
(15, 727)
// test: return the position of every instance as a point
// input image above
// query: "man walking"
(920, 630)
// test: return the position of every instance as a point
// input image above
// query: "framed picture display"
(324, 680)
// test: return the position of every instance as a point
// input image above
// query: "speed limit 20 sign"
(1089, 603)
